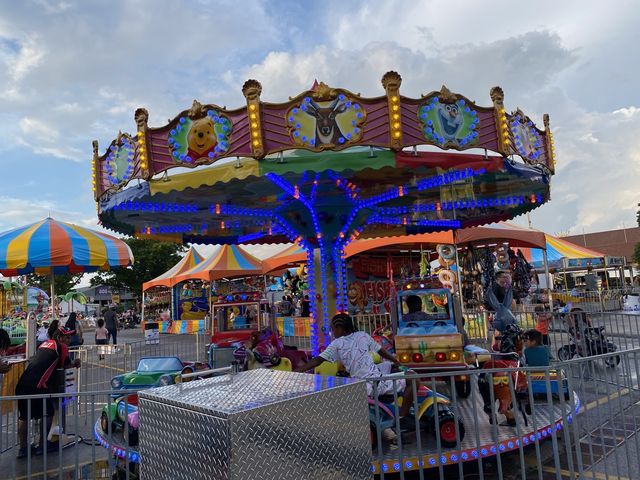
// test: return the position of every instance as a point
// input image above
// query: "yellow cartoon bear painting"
(202, 137)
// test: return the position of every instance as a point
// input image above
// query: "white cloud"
(627, 113)
(30, 56)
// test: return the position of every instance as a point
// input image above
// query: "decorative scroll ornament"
(119, 163)
(527, 140)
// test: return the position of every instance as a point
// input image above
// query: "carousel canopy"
(167, 279)
(345, 174)
(52, 247)
(228, 262)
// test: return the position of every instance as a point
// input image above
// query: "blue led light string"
(311, 281)
(391, 220)
(323, 285)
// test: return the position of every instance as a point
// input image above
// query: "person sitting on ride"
(578, 321)
(415, 314)
(535, 353)
(351, 348)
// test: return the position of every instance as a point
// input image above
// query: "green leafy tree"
(63, 283)
(151, 259)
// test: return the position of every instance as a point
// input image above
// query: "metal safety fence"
(576, 419)
(103, 362)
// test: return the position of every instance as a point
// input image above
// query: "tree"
(636, 254)
(63, 283)
(151, 259)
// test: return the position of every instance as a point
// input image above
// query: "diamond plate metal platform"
(482, 439)
(256, 424)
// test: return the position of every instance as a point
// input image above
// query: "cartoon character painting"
(200, 136)
(357, 296)
(319, 124)
(449, 120)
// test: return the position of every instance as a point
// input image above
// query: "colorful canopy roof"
(229, 261)
(227, 205)
(167, 279)
(291, 255)
(516, 235)
(504, 231)
(559, 249)
(49, 246)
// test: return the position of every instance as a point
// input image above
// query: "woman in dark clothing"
(74, 324)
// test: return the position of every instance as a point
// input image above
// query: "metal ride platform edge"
(481, 444)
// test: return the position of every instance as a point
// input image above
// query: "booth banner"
(363, 267)
(293, 326)
(368, 288)
(181, 327)
(151, 333)
(191, 302)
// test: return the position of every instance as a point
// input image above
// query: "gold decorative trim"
(251, 91)
(391, 82)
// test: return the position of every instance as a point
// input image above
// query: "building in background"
(617, 245)
(100, 296)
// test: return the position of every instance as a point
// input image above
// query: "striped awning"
(167, 279)
(49, 246)
(559, 249)
(228, 262)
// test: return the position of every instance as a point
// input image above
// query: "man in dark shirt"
(111, 324)
(37, 380)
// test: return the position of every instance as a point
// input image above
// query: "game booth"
(321, 170)
(188, 290)
(162, 294)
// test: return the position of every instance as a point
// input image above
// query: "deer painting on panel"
(327, 130)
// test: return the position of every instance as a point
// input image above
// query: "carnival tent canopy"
(52, 247)
(500, 232)
(229, 261)
(557, 249)
(515, 235)
(167, 279)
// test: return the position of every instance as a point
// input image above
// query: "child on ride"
(535, 353)
(351, 348)
(543, 322)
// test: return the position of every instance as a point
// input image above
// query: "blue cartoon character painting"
(448, 120)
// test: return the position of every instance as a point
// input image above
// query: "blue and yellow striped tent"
(49, 247)
(228, 262)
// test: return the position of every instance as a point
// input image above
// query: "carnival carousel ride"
(346, 175)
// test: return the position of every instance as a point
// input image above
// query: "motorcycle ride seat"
(386, 398)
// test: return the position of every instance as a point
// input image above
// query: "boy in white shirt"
(42, 335)
(351, 348)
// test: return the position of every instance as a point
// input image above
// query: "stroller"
(592, 341)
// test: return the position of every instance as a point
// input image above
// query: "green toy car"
(152, 372)
(116, 414)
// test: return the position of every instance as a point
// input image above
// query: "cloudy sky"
(74, 71)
